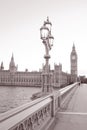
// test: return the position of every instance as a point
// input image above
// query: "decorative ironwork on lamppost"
(47, 39)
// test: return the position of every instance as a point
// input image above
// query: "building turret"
(57, 75)
(12, 66)
(2, 66)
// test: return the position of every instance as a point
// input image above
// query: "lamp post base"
(47, 82)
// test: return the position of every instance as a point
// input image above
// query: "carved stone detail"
(34, 121)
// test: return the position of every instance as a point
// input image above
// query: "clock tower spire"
(73, 60)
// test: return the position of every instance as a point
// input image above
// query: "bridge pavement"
(73, 114)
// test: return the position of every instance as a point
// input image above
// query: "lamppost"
(47, 39)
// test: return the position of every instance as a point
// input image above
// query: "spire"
(73, 48)
(73, 52)
(2, 67)
(12, 66)
(12, 58)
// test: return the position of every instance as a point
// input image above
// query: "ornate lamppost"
(47, 39)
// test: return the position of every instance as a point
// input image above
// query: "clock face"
(73, 57)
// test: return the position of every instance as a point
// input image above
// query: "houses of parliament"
(13, 77)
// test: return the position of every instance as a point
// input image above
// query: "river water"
(11, 97)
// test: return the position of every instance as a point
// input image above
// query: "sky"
(20, 23)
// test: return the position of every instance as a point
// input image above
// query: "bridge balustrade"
(36, 115)
(66, 92)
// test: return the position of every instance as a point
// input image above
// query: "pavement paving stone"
(73, 116)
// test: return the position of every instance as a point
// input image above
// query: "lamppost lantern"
(44, 32)
(51, 39)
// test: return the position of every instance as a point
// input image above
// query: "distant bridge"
(39, 114)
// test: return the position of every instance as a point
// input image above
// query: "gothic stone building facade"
(13, 77)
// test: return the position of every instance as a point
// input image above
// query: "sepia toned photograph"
(43, 66)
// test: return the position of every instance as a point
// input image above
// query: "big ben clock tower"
(73, 59)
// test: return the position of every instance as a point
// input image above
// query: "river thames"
(12, 97)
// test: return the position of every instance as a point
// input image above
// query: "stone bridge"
(40, 114)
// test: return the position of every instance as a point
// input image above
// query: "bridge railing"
(66, 92)
(36, 115)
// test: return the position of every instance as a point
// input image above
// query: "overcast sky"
(20, 21)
